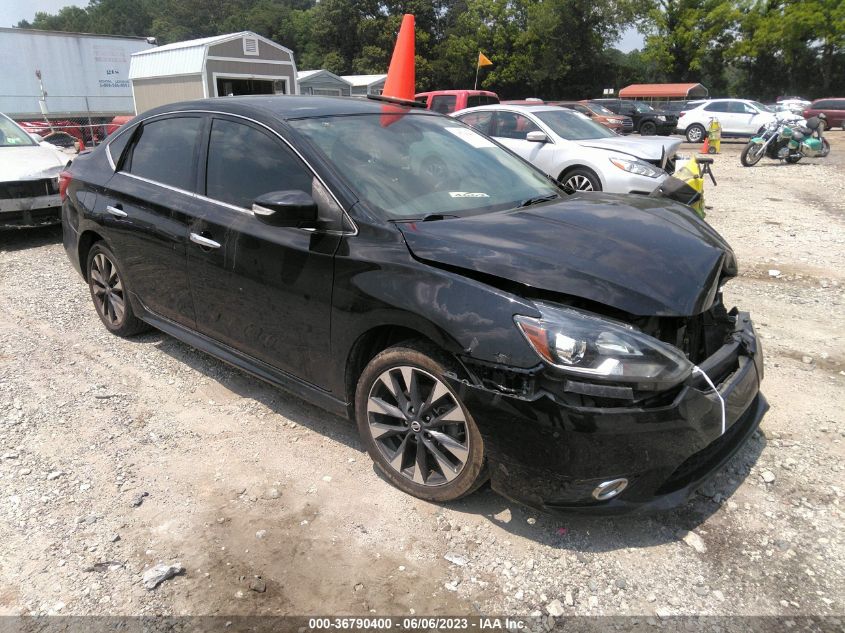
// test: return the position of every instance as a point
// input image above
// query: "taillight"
(681, 113)
(64, 181)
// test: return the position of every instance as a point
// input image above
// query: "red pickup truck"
(448, 101)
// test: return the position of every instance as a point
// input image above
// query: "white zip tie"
(697, 369)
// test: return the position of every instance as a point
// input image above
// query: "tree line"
(553, 49)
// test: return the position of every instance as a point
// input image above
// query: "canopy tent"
(664, 91)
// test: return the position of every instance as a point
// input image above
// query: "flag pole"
(477, 66)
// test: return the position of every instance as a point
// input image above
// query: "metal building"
(366, 84)
(234, 64)
(323, 82)
(82, 75)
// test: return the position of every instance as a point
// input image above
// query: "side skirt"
(306, 391)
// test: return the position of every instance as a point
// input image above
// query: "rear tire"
(751, 154)
(110, 293)
(695, 133)
(415, 426)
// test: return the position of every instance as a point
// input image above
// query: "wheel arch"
(570, 168)
(381, 337)
(86, 242)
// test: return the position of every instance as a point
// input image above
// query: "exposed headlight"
(594, 348)
(635, 166)
(660, 117)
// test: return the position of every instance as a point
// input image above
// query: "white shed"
(322, 82)
(234, 64)
(366, 84)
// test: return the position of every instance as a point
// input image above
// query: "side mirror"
(286, 208)
(537, 137)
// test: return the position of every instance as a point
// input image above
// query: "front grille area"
(28, 189)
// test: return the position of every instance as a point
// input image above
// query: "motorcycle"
(787, 141)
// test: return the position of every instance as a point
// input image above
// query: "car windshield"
(573, 126)
(600, 109)
(761, 107)
(11, 135)
(409, 166)
(643, 107)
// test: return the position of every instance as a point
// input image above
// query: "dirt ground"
(246, 481)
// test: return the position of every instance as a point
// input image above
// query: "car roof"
(290, 106)
(456, 92)
(512, 108)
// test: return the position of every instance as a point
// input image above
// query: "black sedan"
(395, 266)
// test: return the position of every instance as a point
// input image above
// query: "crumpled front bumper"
(30, 211)
(552, 455)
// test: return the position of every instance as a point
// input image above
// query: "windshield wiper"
(537, 200)
(428, 217)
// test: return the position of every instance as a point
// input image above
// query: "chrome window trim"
(220, 202)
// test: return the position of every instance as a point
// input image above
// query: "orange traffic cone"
(400, 83)
(705, 149)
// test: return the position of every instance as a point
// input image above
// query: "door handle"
(116, 211)
(205, 242)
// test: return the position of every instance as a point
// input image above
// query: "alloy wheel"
(578, 183)
(418, 426)
(107, 290)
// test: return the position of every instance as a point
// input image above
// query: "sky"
(13, 11)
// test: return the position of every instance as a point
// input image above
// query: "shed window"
(250, 46)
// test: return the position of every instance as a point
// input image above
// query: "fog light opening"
(609, 489)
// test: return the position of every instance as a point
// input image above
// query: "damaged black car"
(397, 267)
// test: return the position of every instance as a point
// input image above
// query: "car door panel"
(141, 207)
(264, 290)
(149, 242)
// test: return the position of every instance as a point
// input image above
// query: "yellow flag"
(483, 61)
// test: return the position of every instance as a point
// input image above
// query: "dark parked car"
(474, 322)
(647, 120)
(618, 123)
(833, 109)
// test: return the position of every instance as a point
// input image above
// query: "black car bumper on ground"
(552, 455)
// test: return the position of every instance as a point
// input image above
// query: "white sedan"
(577, 152)
(29, 178)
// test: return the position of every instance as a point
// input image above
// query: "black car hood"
(645, 256)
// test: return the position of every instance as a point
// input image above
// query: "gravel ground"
(119, 455)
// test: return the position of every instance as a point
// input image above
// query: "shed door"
(233, 87)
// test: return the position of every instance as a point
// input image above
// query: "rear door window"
(479, 120)
(245, 163)
(718, 106)
(444, 104)
(165, 151)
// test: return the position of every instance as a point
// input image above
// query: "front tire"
(110, 294)
(579, 179)
(695, 133)
(648, 128)
(751, 154)
(415, 427)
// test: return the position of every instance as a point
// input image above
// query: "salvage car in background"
(29, 178)
(647, 120)
(612, 121)
(577, 152)
(476, 324)
(833, 109)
